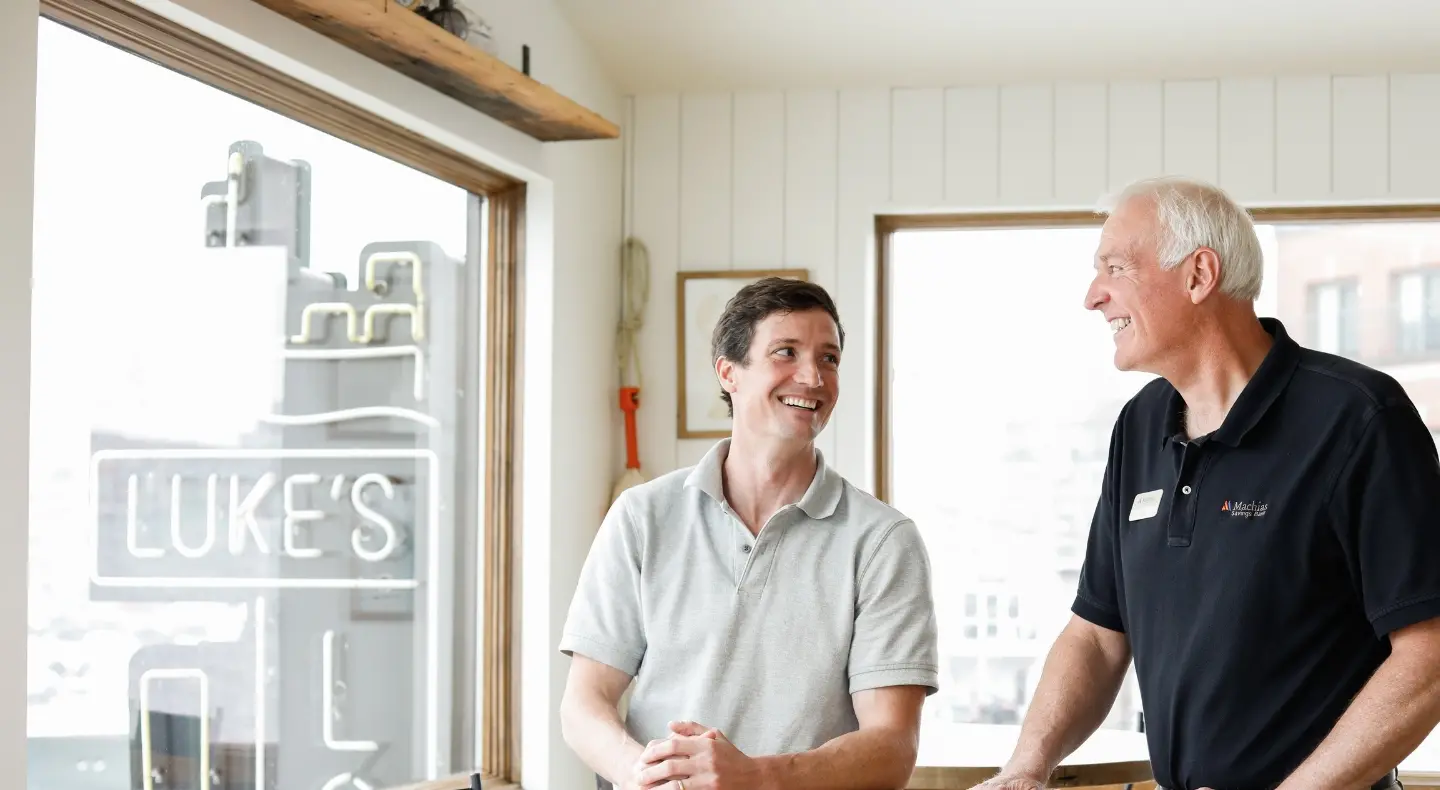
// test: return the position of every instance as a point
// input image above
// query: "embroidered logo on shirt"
(1238, 509)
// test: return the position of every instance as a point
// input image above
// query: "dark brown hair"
(735, 330)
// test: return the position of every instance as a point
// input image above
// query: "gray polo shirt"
(765, 638)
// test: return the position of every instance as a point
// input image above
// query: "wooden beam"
(403, 40)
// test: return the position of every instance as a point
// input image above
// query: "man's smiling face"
(1146, 306)
(790, 381)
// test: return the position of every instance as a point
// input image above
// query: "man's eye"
(832, 359)
(785, 351)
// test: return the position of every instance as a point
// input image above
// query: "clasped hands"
(694, 757)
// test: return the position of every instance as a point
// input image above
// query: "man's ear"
(725, 373)
(1202, 276)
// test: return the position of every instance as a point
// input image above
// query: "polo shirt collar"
(819, 501)
(1257, 397)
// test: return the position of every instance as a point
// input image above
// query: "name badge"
(1146, 505)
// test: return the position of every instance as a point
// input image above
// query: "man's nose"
(808, 373)
(1095, 296)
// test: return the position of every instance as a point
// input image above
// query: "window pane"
(1327, 318)
(1394, 303)
(1410, 307)
(1350, 319)
(1432, 311)
(1003, 484)
(1334, 320)
(236, 516)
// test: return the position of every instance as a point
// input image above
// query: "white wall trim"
(19, 37)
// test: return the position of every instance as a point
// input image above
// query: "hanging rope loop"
(634, 295)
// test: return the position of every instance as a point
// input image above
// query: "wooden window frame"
(887, 225)
(153, 37)
(499, 715)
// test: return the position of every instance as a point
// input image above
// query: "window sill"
(1413, 780)
(458, 782)
(1419, 780)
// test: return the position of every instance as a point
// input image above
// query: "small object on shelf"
(446, 15)
(525, 59)
(482, 37)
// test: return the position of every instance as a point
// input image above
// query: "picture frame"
(700, 299)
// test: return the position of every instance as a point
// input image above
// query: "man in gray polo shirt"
(776, 621)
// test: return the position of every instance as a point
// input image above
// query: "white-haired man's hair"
(1193, 213)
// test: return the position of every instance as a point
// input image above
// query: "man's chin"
(794, 432)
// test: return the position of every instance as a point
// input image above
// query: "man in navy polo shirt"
(1267, 539)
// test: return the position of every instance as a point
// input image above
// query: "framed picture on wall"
(701, 298)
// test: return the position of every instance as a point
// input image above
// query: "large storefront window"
(250, 377)
(1003, 480)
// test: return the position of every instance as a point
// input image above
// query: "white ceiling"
(650, 45)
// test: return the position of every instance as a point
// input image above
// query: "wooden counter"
(960, 756)
(1094, 775)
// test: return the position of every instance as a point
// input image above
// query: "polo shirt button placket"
(738, 568)
(759, 551)
(747, 547)
(749, 551)
(1181, 521)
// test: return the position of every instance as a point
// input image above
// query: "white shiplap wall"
(770, 180)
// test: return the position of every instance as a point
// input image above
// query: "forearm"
(1390, 716)
(873, 758)
(1077, 688)
(593, 730)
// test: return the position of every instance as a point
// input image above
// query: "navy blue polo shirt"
(1258, 570)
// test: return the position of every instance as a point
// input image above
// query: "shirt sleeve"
(1097, 596)
(895, 632)
(604, 623)
(1386, 510)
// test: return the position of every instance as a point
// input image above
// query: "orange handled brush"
(634, 292)
(629, 402)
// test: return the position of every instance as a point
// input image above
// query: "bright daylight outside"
(246, 389)
(1003, 398)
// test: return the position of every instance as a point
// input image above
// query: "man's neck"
(1211, 377)
(760, 477)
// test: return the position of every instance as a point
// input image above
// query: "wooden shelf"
(403, 40)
